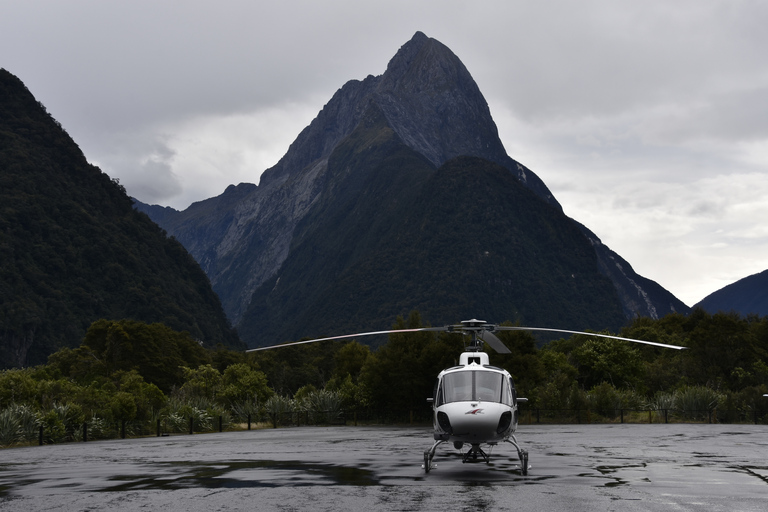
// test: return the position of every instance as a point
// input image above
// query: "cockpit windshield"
(466, 386)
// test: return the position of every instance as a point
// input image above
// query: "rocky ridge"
(242, 237)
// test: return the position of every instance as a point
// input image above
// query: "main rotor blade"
(345, 336)
(494, 342)
(655, 344)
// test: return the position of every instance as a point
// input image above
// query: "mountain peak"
(424, 61)
(425, 110)
(433, 104)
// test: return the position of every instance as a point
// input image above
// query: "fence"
(527, 416)
(579, 416)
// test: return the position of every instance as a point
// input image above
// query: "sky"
(647, 120)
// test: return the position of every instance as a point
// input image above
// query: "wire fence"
(97, 429)
(581, 416)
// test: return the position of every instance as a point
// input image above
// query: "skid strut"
(522, 454)
(429, 454)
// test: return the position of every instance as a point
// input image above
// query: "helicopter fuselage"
(474, 403)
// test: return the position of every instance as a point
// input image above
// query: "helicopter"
(474, 403)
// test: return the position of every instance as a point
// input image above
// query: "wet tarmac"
(572, 468)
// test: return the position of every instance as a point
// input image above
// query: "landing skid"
(475, 452)
(429, 455)
(521, 454)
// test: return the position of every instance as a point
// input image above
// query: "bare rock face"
(241, 237)
(431, 103)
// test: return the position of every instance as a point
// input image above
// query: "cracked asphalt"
(572, 468)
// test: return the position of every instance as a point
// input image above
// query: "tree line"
(141, 373)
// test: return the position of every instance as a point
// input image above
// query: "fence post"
(666, 416)
(622, 415)
(249, 421)
(191, 420)
(221, 424)
(122, 430)
(41, 435)
(85, 432)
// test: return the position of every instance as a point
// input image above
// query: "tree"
(156, 351)
(241, 383)
(202, 382)
(400, 376)
(606, 360)
(350, 359)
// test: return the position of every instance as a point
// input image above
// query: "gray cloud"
(648, 120)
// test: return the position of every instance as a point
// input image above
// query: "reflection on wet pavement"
(586, 467)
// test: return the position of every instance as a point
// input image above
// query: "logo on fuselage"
(474, 411)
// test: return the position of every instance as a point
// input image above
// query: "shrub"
(695, 402)
(10, 429)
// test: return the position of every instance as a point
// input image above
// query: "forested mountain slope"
(74, 250)
(388, 133)
(746, 296)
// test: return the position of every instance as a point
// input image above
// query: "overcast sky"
(647, 120)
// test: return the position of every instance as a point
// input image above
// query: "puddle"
(245, 474)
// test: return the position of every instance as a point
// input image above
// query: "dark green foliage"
(111, 377)
(155, 351)
(73, 250)
(401, 374)
(291, 368)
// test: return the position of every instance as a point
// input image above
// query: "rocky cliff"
(429, 102)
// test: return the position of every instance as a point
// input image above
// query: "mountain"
(745, 296)
(74, 250)
(337, 219)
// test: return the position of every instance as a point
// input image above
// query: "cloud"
(142, 162)
(647, 120)
(210, 152)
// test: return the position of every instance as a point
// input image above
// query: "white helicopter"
(474, 403)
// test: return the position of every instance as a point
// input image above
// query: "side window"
(514, 391)
(506, 398)
(438, 394)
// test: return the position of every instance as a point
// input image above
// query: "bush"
(10, 429)
(605, 400)
(695, 402)
(277, 407)
(242, 410)
(323, 406)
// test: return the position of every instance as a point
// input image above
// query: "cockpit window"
(457, 387)
(474, 386)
